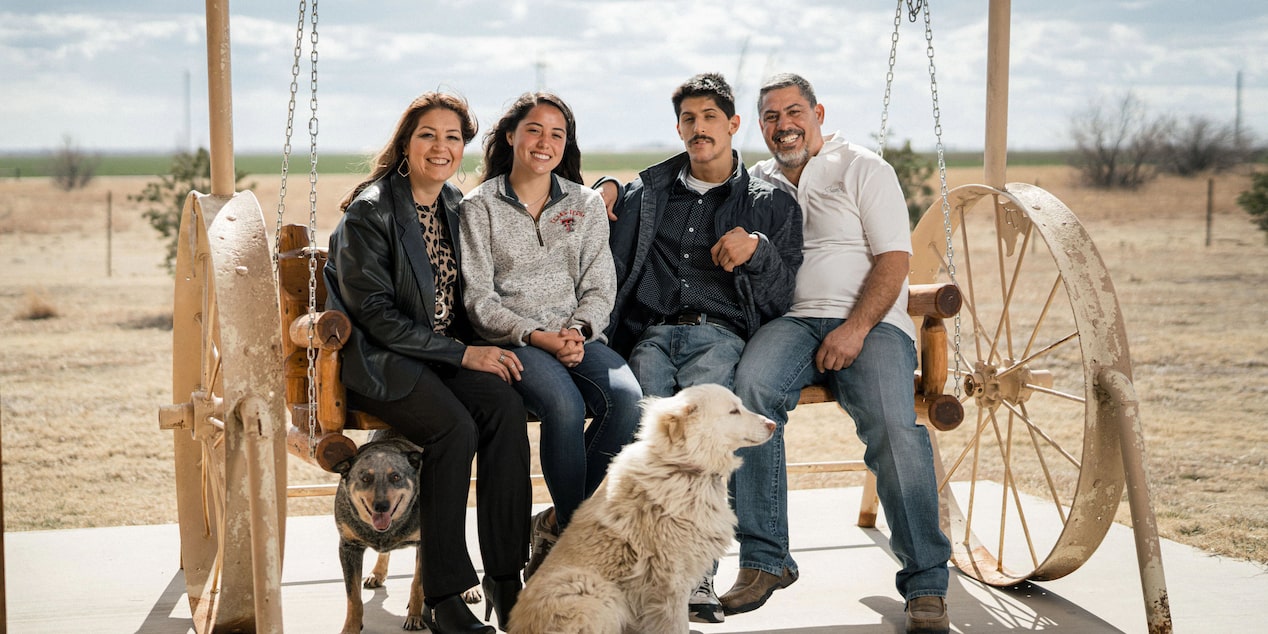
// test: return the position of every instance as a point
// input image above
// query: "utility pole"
(540, 67)
(188, 126)
(1237, 121)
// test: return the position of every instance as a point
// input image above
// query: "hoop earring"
(462, 175)
(403, 164)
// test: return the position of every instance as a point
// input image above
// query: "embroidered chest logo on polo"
(568, 219)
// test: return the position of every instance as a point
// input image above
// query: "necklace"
(539, 200)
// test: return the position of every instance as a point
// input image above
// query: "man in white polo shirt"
(848, 327)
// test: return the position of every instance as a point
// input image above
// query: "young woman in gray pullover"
(540, 281)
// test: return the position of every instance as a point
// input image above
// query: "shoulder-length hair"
(397, 147)
(498, 156)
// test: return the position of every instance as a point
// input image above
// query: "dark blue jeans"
(669, 358)
(575, 456)
(876, 391)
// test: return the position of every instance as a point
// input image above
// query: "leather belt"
(700, 319)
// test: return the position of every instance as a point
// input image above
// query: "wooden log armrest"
(941, 301)
(328, 329)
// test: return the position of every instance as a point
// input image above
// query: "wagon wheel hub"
(1009, 382)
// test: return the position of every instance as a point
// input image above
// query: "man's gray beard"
(793, 160)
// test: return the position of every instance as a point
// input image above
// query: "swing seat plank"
(327, 331)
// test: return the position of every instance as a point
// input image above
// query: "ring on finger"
(501, 357)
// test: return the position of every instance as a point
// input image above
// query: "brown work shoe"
(752, 588)
(928, 615)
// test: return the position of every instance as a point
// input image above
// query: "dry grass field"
(85, 357)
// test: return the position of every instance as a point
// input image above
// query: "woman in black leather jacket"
(393, 269)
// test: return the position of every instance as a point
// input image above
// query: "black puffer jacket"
(378, 273)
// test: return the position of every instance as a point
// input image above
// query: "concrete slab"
(127, 579)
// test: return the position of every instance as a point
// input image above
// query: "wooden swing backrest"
(329, 331)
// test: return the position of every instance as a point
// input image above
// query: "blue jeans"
(876, 391)
(575, 456)
(669, 358)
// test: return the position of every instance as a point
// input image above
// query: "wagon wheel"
(1040, 323)
(228, 417)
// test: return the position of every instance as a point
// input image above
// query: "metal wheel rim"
(1083, 480)
(226, 356)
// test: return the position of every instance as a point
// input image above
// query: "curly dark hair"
(498, 155)
(711, 85)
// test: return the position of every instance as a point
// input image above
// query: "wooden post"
(109, 233)
(4, 611)
(995, 157)
(1210, 207)
(220, 98)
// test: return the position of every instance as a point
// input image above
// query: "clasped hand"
(734, 248)
(567, 345)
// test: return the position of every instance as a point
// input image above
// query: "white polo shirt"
(852, 209)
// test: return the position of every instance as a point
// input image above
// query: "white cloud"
(112, 73)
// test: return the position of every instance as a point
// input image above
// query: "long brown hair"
(397, 147)
(498, 155)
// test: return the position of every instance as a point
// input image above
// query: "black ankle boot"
(452, 616)
(500, 596)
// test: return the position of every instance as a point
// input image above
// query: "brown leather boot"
(928, 615)
(752, 588)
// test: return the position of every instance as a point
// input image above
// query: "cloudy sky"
(112, 75)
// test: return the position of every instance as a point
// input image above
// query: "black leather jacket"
(378, 273)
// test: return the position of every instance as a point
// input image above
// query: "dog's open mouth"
(381, 521)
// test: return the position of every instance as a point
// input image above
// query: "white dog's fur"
(634, 551)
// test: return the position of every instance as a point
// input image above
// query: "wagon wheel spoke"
(1007, 287)
(1035, 435)
(1038, 431)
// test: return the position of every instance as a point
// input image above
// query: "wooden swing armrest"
(329, 330)
(933, 302)
(941, 301)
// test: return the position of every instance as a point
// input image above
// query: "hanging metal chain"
(942, 178)
(290, 128)
(913, 12)
(312, 236)
(889, 79)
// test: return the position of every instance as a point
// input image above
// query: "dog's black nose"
(382, 506)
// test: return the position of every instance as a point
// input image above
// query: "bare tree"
(71, 167)
(1115, 146)
(1201, 144)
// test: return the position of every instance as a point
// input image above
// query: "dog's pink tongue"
(381, 521)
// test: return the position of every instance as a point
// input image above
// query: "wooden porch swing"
(1043, 378)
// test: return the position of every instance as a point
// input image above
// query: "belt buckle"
(691, 319)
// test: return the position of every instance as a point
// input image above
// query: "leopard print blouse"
(444, 265)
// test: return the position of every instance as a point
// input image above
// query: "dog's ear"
(674, 421)
(415, 459)
(344, 466)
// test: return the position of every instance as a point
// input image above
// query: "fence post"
(109, 233)
(1210, 207)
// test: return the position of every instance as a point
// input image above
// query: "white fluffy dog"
(634, 551)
